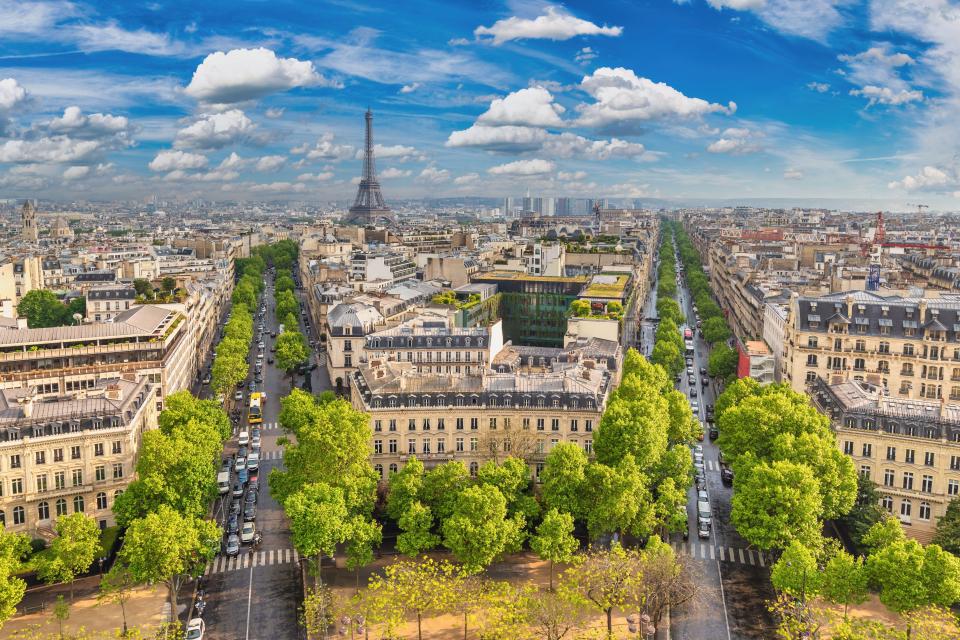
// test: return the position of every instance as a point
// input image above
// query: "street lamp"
(642, 625)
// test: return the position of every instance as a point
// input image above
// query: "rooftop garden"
(612, 310)
(603, 286)
(450, 298)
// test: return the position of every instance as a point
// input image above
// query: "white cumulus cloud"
(467, 178)
(531, 167)
(270, 163)
(410, 88)
(400, 152)
(506, 137)
(324, 149)
(877, 74)
(75, 173)
(315, 177)
(177, 160)
(792, 173)
(929, 178)
(886, 95)
(569, 145)
(52, 150)
(554, 24)
(621, 97)
(812, 19)
(819, 87)
(393, 172)
(736, 140)
(215, 130)
(246, 74)
(533, 107)
(11, 94)
(432, 175)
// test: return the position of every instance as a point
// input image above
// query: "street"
(735, 580)
(256, 596)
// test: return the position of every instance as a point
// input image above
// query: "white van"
(244, 439)
(223, 482)
(253, 461)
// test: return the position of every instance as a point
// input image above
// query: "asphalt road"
(734, 578)
(256, 596)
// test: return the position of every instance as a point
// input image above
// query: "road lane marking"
(249, 602)
(296, 556)
(741, 556)
(721, 555)
(750, 555)
(732, 556)
(693, 549)
(703, 552)
(273, 555)
(712, 553)
(760, 555)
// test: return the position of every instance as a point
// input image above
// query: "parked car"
(726, 475)
(253, 462)
(233, 545)
(252, 386)
(233, 523)
(238, 395)
(250, 497)
(235, 506)
(237, 490)
(703, 371)
(246, 534)
(243, 476)
(241, 463)
(270, 360)
(250, 512)
(703, 529)
(714, 433)
(195, 629)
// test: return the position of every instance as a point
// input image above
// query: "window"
(473, 444)
(393, 424)
(61, 507)
(540, 424)
(526, 423)
(555, 424)
(953, 487)
(15, 461)
(379, 469)
(859, 364)
(441, 424)
(848, 447)
(41, 483)
(905, 508)
(16, 486)
(441, 445)
(887, 503)
(74, 453)
(588, 447)
(926, 484)
(867, 450)
(40, 457)
(60, 479)
(888, 477)
(58, 455)
(78, 504)
(473, 469)
(493, 423)
(573, 425)
(811, 360)
(924, 510)
(116, 447)
(812, 342)
(865, 471)
(955, 463)
(378, 447)
(426, 446)
(908, 349)
(101, 500)
(100, 473)
(907, 480)
(460, 424)
(43, 511)
(891, 453)
(378, 426)
(412, 446)
(909, 455)
(458, 445)
(98, 449)
(392, 445)
(77, 477)
(411, 424)
(811, 376)
(928, 458)
(474, 423)
(392, 468)
(19, 516)
(588, 425)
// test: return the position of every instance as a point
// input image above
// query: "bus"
(687, 333)
(255, 412)
(688, 347)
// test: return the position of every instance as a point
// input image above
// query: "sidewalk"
(147, 607)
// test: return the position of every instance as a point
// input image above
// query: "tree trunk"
(172, 593)
(123, 614)
(551, 575)
(420, 631)
(464, 625)
(610, 622)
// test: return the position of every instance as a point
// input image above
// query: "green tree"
(604, 579)
(168, 547)
(364, 534)
(637, 427)
(776, 504)
(844, 580)
(479, 531)
(292, 350)
(61, 611)
(412, 588)
(416, 523)
(562, 479)
(882, 534)
(72, 551)
(580, 308)
(283, 283)
(318, 522)
(722, 362)
(13, 548)
(865, 513)
(168, 284)
(796, 572)
(404, 488)
(715, 330)
(442, 487)
(618, 499)
(43, 308)
(668, 356)
(832, 468)
(948, 528)
(116, 587)
(143, 288)
(512, 477)
(554, 539)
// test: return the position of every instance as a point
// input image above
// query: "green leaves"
(13, 547)
(479, 531)
(722, 362)
(554, 539)
(318, 519)
(910, 576)
(416, 523)
(777, 503)
(405, 486)
(73, 550)
(796, 572)
(948, 528)
(42, 308)
(562, 479)
(292, 350)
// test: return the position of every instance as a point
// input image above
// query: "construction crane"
(920, 207)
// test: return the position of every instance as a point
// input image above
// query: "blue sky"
(640, 99)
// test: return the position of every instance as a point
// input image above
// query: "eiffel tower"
(368, 207)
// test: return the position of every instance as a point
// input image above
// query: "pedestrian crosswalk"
(271, 455)
(266, 558)
(701, 551)
(270, 427)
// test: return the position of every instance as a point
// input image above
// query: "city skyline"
(666, 101)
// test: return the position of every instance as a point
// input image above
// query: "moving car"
(250, 512)
(714, 433)
(704, 516)
(237, 490)
(253, 462)
(243, 476)
(726, 475)
(241, 463)
(703, 529)
(233, 545)
(233, 524)
(243, 439)
(238, 395)
(246, 534)
(195, 629)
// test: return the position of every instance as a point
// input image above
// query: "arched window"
(78, 504)
(101, 500)
(379, 469)
(43, 511)
(393, 468)
(19, 516)
(61, 507)
(117, 494)
(473, 469)
(887, 503)
(924, 510)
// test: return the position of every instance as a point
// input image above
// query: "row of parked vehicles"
(244, 490)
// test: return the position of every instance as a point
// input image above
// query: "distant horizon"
(681, 102)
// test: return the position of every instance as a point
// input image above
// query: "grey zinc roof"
(353, 314)
(139, 321)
